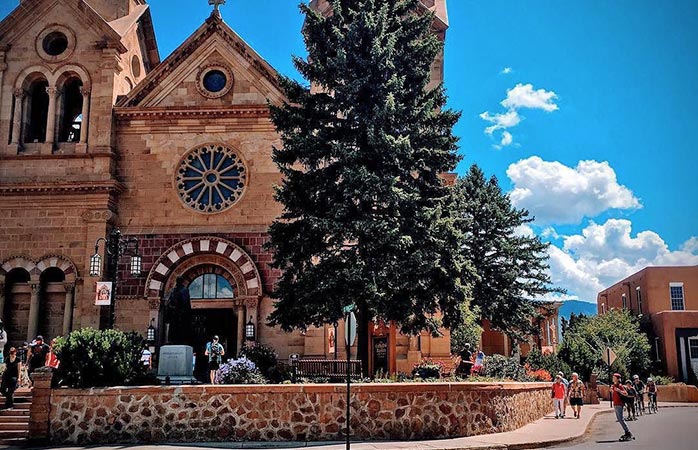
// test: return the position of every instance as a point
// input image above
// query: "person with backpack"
(639, 387)
(10, 378)
(618, 393)
(215, 352)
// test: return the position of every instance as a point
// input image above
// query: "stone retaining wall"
(292, 412)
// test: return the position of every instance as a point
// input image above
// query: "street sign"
(350, 329)
(609, 356)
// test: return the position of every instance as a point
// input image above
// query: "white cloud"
(524, 96)
(518, 97)
(501, 121)
(604, 254)
(691, 245)
(558, 194)
(506, 71)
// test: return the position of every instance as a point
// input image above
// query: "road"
(671, 429)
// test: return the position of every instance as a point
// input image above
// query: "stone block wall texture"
(399, 411)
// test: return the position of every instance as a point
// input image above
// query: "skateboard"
(626, 438)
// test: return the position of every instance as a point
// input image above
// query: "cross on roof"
(216, 4)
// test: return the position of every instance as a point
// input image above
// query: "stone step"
(14, 412)
(14, 434)
(15, 418)
(22, 406)
(14, 442)
(14, 426)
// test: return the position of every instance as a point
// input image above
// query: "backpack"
(629, 398)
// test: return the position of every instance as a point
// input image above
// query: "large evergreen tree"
(511, 267)
(366, 217)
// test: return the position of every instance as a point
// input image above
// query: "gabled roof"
(124, 24)
(214, 25)
(24, 16)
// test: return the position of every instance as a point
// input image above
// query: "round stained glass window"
(211, 178)
(215, 81)
(55, 43)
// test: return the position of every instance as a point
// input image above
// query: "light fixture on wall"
(150, 332)
(249, 330)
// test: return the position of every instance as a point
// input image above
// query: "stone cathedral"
(97, 133)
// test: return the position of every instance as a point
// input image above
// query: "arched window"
(71, 114)
(210, 286)
(37, 112)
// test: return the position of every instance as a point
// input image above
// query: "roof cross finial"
(216, 5)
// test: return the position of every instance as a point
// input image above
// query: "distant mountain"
(578, 307)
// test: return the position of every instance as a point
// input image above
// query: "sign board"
(608, 356)
(350, 329)
(103, 293)
(331, 340)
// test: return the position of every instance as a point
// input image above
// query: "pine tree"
(366, 217)
(511, 268)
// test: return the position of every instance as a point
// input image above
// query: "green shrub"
(501, 367)
(280, 373)
(661, 380)
(427, 369)
(92, 358)
(550, 362)
(263, 356)
(239, 371)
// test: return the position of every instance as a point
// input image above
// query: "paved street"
(671, 429)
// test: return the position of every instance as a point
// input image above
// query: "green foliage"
(91, 358)
(503, 368)
(366, 215)
(263, 356)
(586, 338)
(468, 331)
(661, 380)
(550, 362)
(239, 371)
(428, 368)
(511, 268)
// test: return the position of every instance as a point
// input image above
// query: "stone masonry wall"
(292, 412)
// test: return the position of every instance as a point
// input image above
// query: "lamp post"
(249, 330)
(115, 246)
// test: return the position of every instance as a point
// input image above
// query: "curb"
(550, 443)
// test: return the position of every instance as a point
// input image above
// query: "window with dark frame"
(676, 295)
(210, 286)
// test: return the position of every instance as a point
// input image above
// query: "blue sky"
(592, 109)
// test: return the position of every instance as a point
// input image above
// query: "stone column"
(17, 117)
(68, 313)
(40, 408)
(33, 311)
(241, 329)
(85, 91)
(52, 92)
(2, 301)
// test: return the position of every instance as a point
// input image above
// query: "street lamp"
(249, 330)
(150, 332)
(115, 246)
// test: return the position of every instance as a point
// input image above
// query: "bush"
(550, 362)
(661, 380)
(501, 367)
(264, 357)
(537, 374)
(92, 358)
(280, 373)
(428, 368)
(239, 371)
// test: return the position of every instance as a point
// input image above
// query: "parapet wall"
(291, 412)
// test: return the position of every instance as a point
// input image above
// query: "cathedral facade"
(98, 134)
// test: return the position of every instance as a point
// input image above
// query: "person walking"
(39, 351)
(215, 352)
(3, 341)
(466, 361)
(10, 378)
(618, 392)
(558, 395)
(575, 394)
(564, 401)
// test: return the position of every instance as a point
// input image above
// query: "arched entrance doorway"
(224, 286)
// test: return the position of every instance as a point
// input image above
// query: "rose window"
(211, 178)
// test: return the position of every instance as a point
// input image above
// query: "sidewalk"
(544, 432)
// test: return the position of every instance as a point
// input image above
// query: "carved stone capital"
(52, 91)
(19, 93)
(35, 287)
(251, 303)
(68, 287)
(85, 91)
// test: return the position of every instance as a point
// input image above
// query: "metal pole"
(348, 325)
(610, 376)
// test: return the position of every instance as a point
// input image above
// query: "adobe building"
(494, 342)
(98, 134)
(665, 299)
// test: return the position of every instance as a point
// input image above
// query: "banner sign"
(331, 340)
(103, 293)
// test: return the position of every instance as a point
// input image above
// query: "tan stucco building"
(666, 301)
(97, 133)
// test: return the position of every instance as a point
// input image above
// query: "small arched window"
(71, 115)
(37, 114)
(210, 286)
